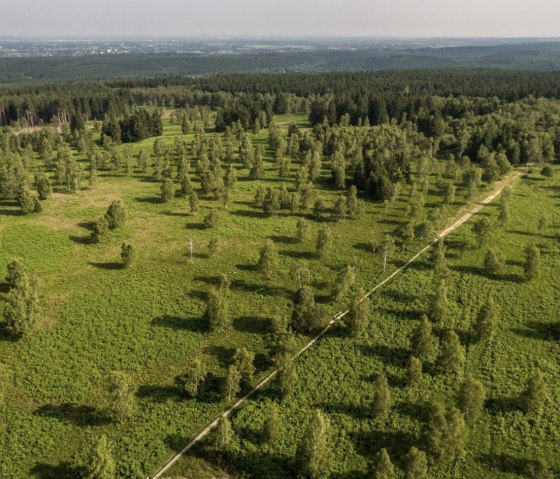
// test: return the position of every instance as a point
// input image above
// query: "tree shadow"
(195, 226)
(86, 240)
(416, 411)
(523, 233)
(77, 415)
(408, 315)
(108, 266)
(221, 353)
(194, 325)
(397, 443)
(503, 405)
(299, 254)
(175, 214)
(358, 411)
(543, 331)
(506, 463)
(64, 470)
(283, 239)
(387, 354)
(479, 271)
(161, 394)
(365, 247)
(87, 225)
(250, 214)
(6, 212)
(247, 267)
(153, 200)
(252, 325)
(4, 287)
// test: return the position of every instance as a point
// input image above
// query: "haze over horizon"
(291, 18)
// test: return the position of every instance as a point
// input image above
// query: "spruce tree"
(324, 240)
(100, 230)
(414, 371)
(483, 230)
(17, 273)
(127, 255)
(43, 185)
(439, 302)
(167, 190)
(452, 355)
(193, 202)
(384, 468)
(232, 385)
(312, 456)
(268, 259)
(381, 398)
(116, 215)
(211, 219)
(223, 434)
(471, 398)
(101, 463)
(22, 306)
(304, 309)
(422, 343)
(217, 310)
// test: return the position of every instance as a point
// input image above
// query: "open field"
(148, 321)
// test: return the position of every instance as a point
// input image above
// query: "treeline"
(137, 126)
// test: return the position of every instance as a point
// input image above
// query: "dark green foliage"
(43, 185)
(532, 261)
(193, 202)
(535, 395)
(167, 190)
(494, 261)
(22, 305)
(223, 434)
(381, 398)
(312, 456)
(483, 230)
(303, 316)
(217, 309)
(128, 255)
(243, 361)
(357, 318)
(116, 215)
(547, 171)
(101, 463)
(18, 273)
(422, 343)
(414, 371)
(211, 219)
(445, 433)
(324, 241)
(439, 302)
(100, 230)
(273, 424)
(232, 384)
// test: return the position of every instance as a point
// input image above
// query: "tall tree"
(535, 395)
(381, 398)
(324, 240)
(101, 463)
(452, 356)
(486, 320)
(384, 468)
(312, 455)
(194, 376)
(416, 464)
(268, 259)
(116, 215)
(22, 306)
(422, 343)
(344, 281)
(471, 398)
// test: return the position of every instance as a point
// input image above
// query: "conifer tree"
(223, 434)
(217, 310)
(116, 215)
(312, 455)
(486, 320)
(439, 302)
(483, 230)
(272, 425)
(414, 371)
(243, 360)
(22, 306)
(340, 209)
(452, 355)
(101, 463)
(494, 261)
(43, 185)
(193, 202)
(100, 230)
(304, 309)
(381, 398)
(127, 255)
(211, 219)
(423, 344)
(167, 190)
(384, 468)
(17, 273)
(232, 385)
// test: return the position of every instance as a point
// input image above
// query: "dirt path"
(463, 219)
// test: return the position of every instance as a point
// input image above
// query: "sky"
(345, 18)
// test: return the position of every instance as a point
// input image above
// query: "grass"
(147, 320)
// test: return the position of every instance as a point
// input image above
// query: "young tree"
(43, 185)
(116, 215)
(211, 219)
(439, 302)
(503, 217)
(312, 455)
(414, 371)
(302, 273)
(494, 261)
(193, 202)
(416, 464)
(543, 224)
(452, 355)
(269, 259)
(445, 434)
(101, 463)
(422, 343)
(194, 376)
(272, 424)
(340, 209)
(471, 398)
(167, 190)
(22, 306)
(381, 398)
(302, 230)
(384, 468)
(232, 385)
(324, 240)
(100, 230)
(358, 317)
(532, 261)
(483, 230)
(17, 273)
(303, 316)
(535, 395)
(344, 281)
(486, 320)
(121, 393)
(287, 374)
(387, 249)
(223, 434)
(214, 247)
(441, 270)
(243, 360)
(217, 310)
(127, 255)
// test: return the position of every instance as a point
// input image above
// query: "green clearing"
(147, 321)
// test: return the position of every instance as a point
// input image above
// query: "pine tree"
(452, 355)
(17, 273)
(441, 270)
(268, 259)
(101, 463)
(116, 215)
(340, 209)
(503, 217)
(194, 376)
(344, 281)
(486, 320)
(434, 434)
(384, 468)
(532, 261)
(352, 202)
(121, 391)
(312, 455)
(100, 230)
(381, 398)
(167, 190)
(471, 398)
(357, 318)
(422, 343)
(535, 395)
(324, 240)
(416, 464)
(127, 255)
(43, 185)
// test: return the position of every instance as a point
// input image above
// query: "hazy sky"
(58, 18)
